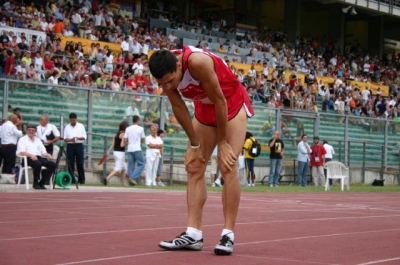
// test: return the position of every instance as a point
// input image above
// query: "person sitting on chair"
(32, 147)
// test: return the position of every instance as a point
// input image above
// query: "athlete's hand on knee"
(193, 160)
(226, 156)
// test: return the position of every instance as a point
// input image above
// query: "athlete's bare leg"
(196, 189)
(197, 193)
(236, 133)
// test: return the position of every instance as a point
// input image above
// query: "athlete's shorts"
(205, 113)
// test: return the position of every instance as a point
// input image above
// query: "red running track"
(125, 228)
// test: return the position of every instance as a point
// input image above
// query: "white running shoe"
(184, 241)
(224, 247)
(160, 184)
(218, 183)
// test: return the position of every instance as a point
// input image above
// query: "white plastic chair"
(337, 170)
(24, 169)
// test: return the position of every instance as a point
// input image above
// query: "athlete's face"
(171, 80)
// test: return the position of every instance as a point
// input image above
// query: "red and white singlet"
(234, 92)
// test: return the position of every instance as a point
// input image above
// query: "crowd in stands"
(127, 70)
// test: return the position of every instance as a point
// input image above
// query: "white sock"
(228, 233)
(194, 233)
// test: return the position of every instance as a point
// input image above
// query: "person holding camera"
(47, 133)
(277, 147)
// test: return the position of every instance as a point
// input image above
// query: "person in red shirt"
(129, 60)
(317, 159)
(48, 65)
(119, 73)
(130, 84)
(9, 70)
(141, 79)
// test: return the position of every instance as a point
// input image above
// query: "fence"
(367, 142)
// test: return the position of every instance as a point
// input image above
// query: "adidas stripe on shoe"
(224, 247)
(184, 241)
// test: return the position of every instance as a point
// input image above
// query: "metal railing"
(101, 111)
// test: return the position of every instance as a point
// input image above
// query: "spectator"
(213, 170)
(249, 159)
(160, 133)
(303, 159)
(328, 156)
(74, 136)
(134, 137)
(47, 133)
(131, 111)
(37, 157)
(9, 135)
(277, 147)
(118, 145)
(9, 69)
(154, 145)
(317, 162)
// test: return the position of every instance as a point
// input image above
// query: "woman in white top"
(53, 79)
(109, 59)
(115, 86)
(39, 65)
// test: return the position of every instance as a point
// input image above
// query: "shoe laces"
(226, 240)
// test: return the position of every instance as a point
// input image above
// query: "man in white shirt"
(303, 158)
(138, 66)
(74, 136)
(125, 47)
(75, 20)
(47, 133)
(339, 106)
(328, 156)
(365, 95)
(172, 36)
(9, 136)
(35, 151)
(329, 151)
(21, 71)
(130, 112)
(134, 137)
(136, 48)
(154, 145)
(265, 70)
(135, 24)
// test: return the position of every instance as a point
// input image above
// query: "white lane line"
(113, 258)
(202, 252)
(250, 243)
(379, 261)
(165, 228)
(317, 236)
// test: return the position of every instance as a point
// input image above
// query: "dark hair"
(135, 118)
(31, 126)
(72, 115)
(248, 135)
(160, 132)
(121, 128)
(162, 62)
